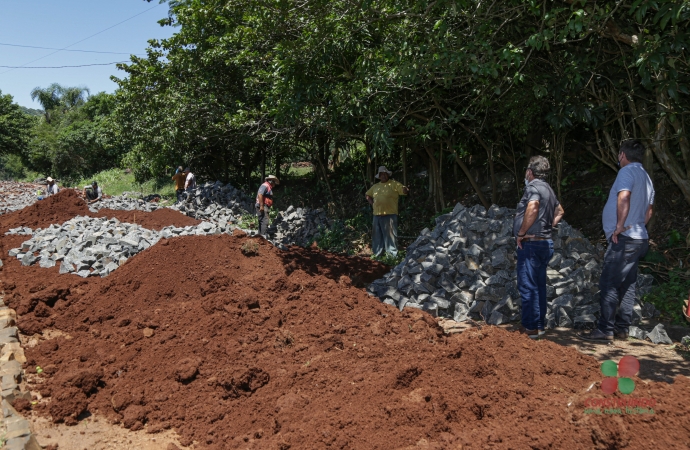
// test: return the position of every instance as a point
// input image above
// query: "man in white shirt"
(624, 219)
(52, 187)
(190, 180)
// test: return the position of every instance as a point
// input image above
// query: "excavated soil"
(55, 209)
(155, 220)
(265, 351)
(67, 204)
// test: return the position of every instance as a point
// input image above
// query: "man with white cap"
(52, 187)
(264, 201)
(383, 196)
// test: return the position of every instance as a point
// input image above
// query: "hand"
(619, 230)
(521, 238)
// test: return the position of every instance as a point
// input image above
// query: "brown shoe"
(622, 335)
(595, 336)
(532, 334)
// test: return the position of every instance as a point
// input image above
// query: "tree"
(15, 127)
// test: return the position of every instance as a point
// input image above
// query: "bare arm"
(648, 216)
(531, 213)
(370, 199)
(622, 208)
(559, 215)
(261, 202)
(406, 190)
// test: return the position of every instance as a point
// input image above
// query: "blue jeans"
(532, 261)
(617, 283)
(385, 235)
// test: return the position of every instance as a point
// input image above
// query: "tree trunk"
(494, 187)
(263, 164)
(439, 183)
(660, 145)
(467, 173)
(370, 170)
(679, 126)
(404, 164)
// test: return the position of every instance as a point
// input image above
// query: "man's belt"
(535, 239)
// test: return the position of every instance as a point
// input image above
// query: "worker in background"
(179, 179)
(189, 183)
(383, 196)
(92, 193)
(625, 217)
(537, 213)
(52, 187)
(264, 202)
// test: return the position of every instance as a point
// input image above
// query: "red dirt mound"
(155, 220)
(56, 209)
(239, 351)
(67, 204)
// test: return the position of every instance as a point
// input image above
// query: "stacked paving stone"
(88, 246)
(465, 269)
(16, 431)
(298, 226)
(217, 202)
(15, 196)
(125, 203)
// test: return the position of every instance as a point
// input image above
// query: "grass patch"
(668, 297)
(116, 181)
(390, 260)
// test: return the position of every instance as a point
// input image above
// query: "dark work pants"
(617, 283)
(180, 195)
(532, 262)
(263, 219)
(385, 235)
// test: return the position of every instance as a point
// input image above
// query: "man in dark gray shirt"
(537, 213)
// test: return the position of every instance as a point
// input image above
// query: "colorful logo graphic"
(618, 376)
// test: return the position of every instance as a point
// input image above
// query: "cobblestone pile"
(15, 196)
(465, 269)
(88, 246)
(298, 226)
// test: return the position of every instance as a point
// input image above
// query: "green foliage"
(14, 127)
(675, 238)
(668, 297)
(77, 137)
(334, 239)
(391, 260)
(11, 168)
(249, 222)
(117, 181)
(654, 257)
(244, 81)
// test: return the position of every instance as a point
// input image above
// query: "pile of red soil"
(236, 351)
(155, 220)
(67, 204)
(55, 209)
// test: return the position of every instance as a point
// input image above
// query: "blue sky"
(58, 24)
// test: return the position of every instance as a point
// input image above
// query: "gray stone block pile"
(217, 202)
(87, 246)
(15, 196)
(125, 203)
(14, 429)
(298, 226)
(465, 269)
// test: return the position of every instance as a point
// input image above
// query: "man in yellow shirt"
(179, 179)
(383, 196)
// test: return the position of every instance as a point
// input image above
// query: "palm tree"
(49, 98)
(74, 96)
